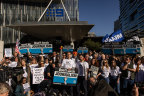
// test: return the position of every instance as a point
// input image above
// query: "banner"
(105, 39)
(114, 37)
(82, 50)
(68, 48)
(36, 48)
(38, 75)
(8, 52)
(65, 77)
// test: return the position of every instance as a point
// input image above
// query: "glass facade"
(18, 11)
(132, 15)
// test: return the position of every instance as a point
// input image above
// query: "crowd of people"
(125, 74)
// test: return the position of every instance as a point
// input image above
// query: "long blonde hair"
(106, 62)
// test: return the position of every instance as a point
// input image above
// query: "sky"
(101, 13)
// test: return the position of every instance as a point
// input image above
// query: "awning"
(44, 30)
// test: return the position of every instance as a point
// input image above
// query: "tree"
(92, 45)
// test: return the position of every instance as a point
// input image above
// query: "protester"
(128, 76)
(69, 62)
(82, 67)
(4, 89)
(105, 70)
(19, 89)
(115, 76)
(93, 67)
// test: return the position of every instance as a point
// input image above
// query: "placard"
(8, 52)
(26, 87)
(33, 66)
(1, 49)
(38, 75)
(82, 50)
(65, 77)
(13, 64)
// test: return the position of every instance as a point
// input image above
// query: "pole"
(45, 10)
(65, 10)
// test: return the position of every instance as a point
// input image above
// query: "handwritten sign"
(13, 64)
(8, 52)
(38, 75)
(26, 87)
(33, 66)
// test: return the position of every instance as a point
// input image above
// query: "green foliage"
(92, 45)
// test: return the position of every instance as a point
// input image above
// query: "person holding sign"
(82, 67)
(20, 91)
(69, 62)
(94, 69)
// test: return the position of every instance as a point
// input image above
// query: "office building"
(132, 17)
(42, 19)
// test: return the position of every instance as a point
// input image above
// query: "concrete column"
(1, 7)
(13, 36)
(4, 17)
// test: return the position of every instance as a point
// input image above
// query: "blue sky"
(102, 13)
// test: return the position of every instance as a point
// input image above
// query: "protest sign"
(33, 66)
(68, 48)
(65, 77)
(38, 75)
(13, 64)
(8, 52)
(1, 49)
(26, 87)
(82, 50)
(36, 48)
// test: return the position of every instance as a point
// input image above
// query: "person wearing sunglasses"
(105, 70)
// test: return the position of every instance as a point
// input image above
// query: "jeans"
(107, 79)
(114, 84)
(82, 83)
(127, 85)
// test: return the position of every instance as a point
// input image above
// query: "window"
(133, 16)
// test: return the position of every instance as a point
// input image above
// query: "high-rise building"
(132, 16)
(16, 14)
(117, 25)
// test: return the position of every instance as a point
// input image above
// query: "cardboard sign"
(26, 87)
(1, 49)
(33, 66)
(8, 52)
(65, 77)
(38, 75)
(13, 64)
